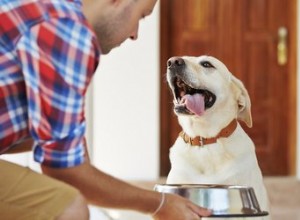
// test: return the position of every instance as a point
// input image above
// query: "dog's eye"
(206, 64)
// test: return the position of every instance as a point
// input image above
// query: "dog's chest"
(215, 163)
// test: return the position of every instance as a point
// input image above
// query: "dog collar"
(201, 141)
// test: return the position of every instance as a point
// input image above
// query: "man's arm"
(104, 190)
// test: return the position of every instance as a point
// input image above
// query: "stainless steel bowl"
(223, 200)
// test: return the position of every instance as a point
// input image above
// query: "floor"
(284, 193)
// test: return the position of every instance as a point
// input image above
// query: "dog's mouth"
(189, 100)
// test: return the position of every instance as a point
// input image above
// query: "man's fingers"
(201, 211)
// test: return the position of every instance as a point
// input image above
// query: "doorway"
(256, 39)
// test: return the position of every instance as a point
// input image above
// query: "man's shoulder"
(62, 9)
(18, 16)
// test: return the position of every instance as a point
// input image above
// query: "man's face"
(122, 23)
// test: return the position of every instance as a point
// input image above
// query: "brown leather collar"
(201, 141)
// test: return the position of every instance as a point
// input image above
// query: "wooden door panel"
(262, 78)
(256, 14)
(193, 30)
(243, 34)
(189, 44)
(200, 17)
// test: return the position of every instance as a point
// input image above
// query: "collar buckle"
(201, 141)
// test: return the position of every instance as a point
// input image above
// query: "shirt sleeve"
(58, 58)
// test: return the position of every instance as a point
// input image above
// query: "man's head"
(114, 21)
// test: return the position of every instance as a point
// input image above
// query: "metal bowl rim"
(201, 186)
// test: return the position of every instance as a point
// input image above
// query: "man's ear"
(243, 102)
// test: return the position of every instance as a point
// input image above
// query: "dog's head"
(203, 88)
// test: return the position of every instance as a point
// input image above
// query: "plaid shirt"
(48, 54)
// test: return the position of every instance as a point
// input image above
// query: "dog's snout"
(175, 62)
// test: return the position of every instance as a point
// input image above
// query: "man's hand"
(178, 208)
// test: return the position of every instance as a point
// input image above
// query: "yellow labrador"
(213, 148)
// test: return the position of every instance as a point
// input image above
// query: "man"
(49, 50)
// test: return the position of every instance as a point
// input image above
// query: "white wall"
(126, 106)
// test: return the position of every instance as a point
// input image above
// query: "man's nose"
(134, 36)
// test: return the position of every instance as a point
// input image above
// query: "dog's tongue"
(194, 103)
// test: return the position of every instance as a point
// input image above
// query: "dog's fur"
(230, 160)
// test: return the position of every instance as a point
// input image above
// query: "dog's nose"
(175, 62)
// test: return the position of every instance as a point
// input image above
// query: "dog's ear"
(243, 102)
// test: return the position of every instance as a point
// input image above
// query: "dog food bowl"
(223, 200)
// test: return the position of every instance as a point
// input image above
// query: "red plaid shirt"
(48, 54)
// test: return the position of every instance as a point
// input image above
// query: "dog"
(213, 148)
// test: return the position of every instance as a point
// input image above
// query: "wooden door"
(244, 35)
